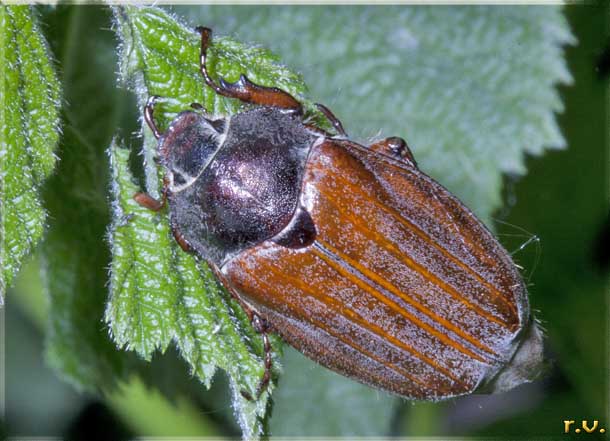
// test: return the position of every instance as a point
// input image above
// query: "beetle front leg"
(396, 147)
(148, 115)
(244, 89)
(147, 201)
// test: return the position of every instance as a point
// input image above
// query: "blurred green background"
(563, 200)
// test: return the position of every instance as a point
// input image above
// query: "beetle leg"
(318, 131)
(181, 240)
(148, 115)
(147, 201)
(244, 89)
(332, 118)
(261, 326)
(249, 311)
(396, 147)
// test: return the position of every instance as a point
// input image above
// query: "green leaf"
(159, 293)
(472, 90)
(29, 117)
(75, 253)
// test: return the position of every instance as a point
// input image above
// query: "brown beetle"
(350, 253)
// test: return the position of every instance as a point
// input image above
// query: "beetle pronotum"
(350, 253)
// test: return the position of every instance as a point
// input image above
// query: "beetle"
(350, 253)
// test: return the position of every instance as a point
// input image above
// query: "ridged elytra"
(350, 253)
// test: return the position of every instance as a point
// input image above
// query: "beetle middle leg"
(186, 247)
(261, 326)
(244, 89)
(396, 147)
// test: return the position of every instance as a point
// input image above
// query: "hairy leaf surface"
(29, 119)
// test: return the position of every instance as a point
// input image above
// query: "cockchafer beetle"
(350, 253)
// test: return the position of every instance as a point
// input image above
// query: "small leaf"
(158, 292)
(29, 117)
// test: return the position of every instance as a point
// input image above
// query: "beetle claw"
(148, 115)
(332, 118)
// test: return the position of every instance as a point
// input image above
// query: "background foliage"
(475, 93)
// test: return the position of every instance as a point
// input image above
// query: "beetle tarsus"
(333, 119)
(396, 147)
(147, 201)
(264, 383)
(262, 327)
(244, 89)
(148, 115)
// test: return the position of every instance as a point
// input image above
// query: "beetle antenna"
(531, 238)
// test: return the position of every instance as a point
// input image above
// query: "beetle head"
(189, 145)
